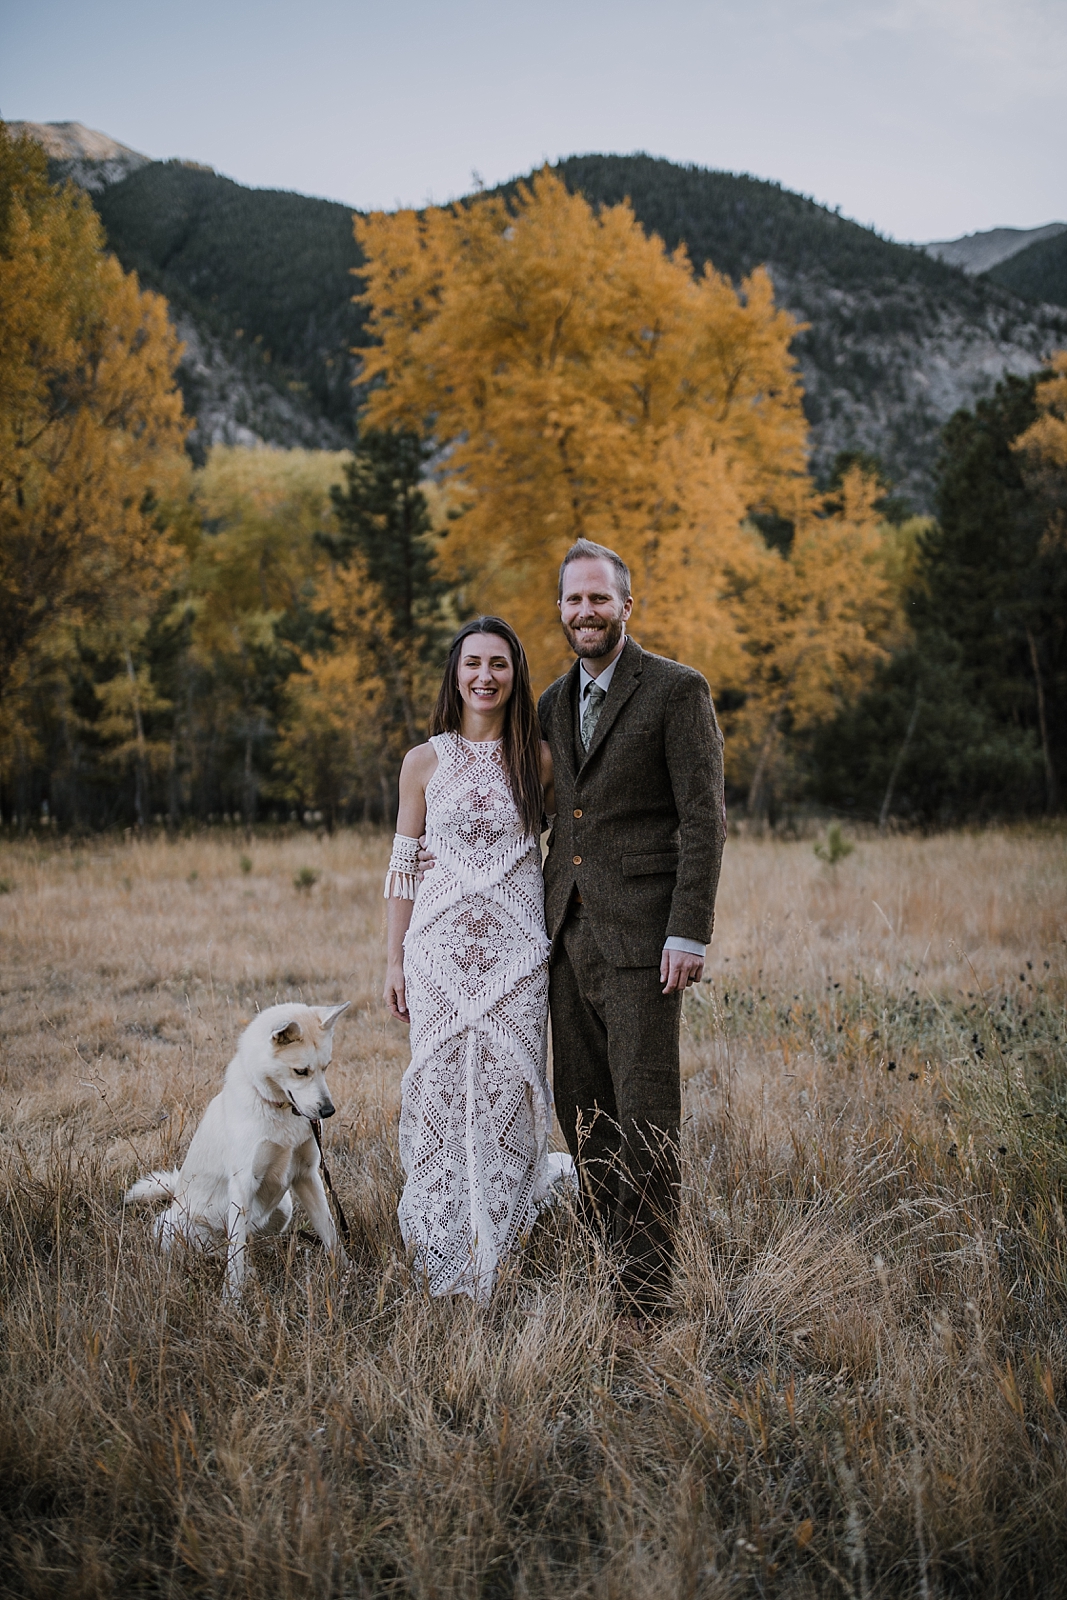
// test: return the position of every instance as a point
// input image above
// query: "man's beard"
(608, 637)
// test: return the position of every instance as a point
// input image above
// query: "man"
(630, 882)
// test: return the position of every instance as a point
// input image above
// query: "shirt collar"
(586, 680)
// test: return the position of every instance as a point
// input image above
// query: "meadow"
(861, 1389)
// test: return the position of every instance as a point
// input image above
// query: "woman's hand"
(394, 994)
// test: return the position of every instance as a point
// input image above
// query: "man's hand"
(427, 862)
(678, 969)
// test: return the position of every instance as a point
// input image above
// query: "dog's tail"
(157, 1186)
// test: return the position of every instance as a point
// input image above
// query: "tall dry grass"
(862, 1385)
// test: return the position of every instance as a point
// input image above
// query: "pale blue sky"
(927, 118)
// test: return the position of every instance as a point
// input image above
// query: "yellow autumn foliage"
(1046, 438)
(261, 510)
(1043, 448)
(814, 624)
(334, 737)
(582, 382)
(91, 423)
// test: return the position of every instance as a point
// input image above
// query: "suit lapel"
(564, 743)
(624, 681)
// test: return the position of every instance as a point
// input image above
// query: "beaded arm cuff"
(401, 880)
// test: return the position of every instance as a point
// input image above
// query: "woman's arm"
(394, 994)
(419, 767)
(548, 781)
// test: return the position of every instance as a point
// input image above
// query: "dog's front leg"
(309, 1190)
(236, 1242)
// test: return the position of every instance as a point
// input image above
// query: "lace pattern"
(476, 1106)
(401, 878)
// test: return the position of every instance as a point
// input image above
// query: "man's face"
(593, 615)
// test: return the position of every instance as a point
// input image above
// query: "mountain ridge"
(977, 253)
(897, 340)
(260, 286)
(1038, 273)
(92, 160)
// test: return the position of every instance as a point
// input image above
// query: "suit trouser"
(618, 1099)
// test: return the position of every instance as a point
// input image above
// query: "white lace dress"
(476, 1106)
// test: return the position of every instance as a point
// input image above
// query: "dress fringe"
(401, 878)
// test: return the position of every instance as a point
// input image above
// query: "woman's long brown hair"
(522, 733)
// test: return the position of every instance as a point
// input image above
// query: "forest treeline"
(261, 636)
(1038, 273)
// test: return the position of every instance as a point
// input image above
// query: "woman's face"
(485, 673)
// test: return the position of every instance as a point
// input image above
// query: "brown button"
(578, 812)
(577, 861)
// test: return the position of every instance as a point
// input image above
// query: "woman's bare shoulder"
(420, 763)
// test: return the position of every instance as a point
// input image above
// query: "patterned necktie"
(594, 699)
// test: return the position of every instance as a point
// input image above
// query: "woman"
(468, 967)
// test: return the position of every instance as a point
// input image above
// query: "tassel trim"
(401, 879)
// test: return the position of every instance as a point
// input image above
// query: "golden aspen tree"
(1043, 446)
(126, 701)
(91, 424)
(814, 624)
(336, 740)
(253, 566)
(582, 382)
(261, 511)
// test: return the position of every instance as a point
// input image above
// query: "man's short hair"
(586, 550)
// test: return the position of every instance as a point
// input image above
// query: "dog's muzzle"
(325, 1108)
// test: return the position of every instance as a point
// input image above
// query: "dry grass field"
(861, 1389)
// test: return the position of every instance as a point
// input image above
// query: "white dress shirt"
(586, 680)
(603, 681)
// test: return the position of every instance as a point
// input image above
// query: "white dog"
(255, 1147)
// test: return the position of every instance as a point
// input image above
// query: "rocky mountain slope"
(897, 340)
(92, 160)
(978, 252)
(260, 287)
(1038, 273)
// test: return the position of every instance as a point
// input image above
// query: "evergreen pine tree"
(972, 717)
(385, 530)
(383, 516)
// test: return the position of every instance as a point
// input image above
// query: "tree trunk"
(74, 758)
(22, 790)
(883, 815)
(140, 787)
(1050, 775)
(755, 788)
(249, 785)
(172, 782)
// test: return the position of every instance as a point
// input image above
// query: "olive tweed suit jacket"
(640, 823)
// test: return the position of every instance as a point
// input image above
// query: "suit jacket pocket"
(643, 865)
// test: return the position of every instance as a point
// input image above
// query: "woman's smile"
(485, 676)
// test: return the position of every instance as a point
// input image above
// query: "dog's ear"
(330, 1014)
(290, 1034)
